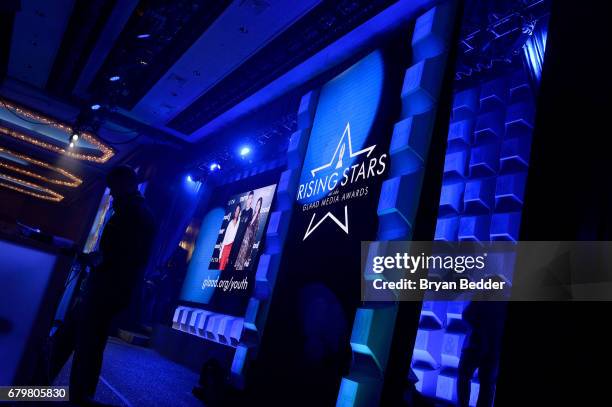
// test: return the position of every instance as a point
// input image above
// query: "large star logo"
(338, 159)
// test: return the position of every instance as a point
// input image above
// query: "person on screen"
(245, 219)
(244, 255)
(229, 238)
(125, 245)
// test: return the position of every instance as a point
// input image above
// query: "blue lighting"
(143, 36)
(244, 151)
(189, 178)
(95, 107)
(215, 167)
(348, 107)
(114, 78)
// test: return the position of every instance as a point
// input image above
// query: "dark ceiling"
(177, 66)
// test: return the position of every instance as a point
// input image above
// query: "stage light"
(189, 178)
(244, 151)
(71, 145)
(95, 107)
(114, 78)
(74, 137)
(215, 167)
(143, 36)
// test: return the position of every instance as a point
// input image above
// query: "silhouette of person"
(125, 245)
(482, 347)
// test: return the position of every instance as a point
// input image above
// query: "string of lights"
(73, 182)
(45, 193)
(106, 151)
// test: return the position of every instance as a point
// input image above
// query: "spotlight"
(143, 36)
(71, 145)
(74, 137)
(189, 178)
(114, 78)
(95, 107)
(215, 167)
(244, 151)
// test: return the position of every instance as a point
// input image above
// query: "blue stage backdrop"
(317, 291)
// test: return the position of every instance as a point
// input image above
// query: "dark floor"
(136, 376)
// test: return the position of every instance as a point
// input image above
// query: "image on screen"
(240, 234)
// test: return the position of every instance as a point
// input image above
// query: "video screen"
(240, 234)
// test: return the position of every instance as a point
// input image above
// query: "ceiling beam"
(116, 22)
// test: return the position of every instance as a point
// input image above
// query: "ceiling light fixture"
(73, 180)
(45, 193)
(106, 151)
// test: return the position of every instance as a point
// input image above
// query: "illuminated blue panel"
(484, 160)
(422, 86)
(433, 315)
(455, 164)
(374, 250)
(503, 264)
(428, 380)
(431, 32)
(203, 322)
(460, 134)
(489, 127)
(474, 390)
(265, 276)
(297, 148)
(466, 103)
(350, 101)
(398, 205)
(514, 155)
(520, 115)
(474, 228)
(427, 347)
(478, 198)
(519, 88)
(446, 229)
(276, 232)
(493, 94)
(454, 317)
(250, 317)
(505, 226)
(308, 105)
(198, 269)
(365, 338)
(451, 198)
(510, 192)
(410, 143)
(358, 390)
(287, 185)
(239, 361)
(451, 349)
(446, 388)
